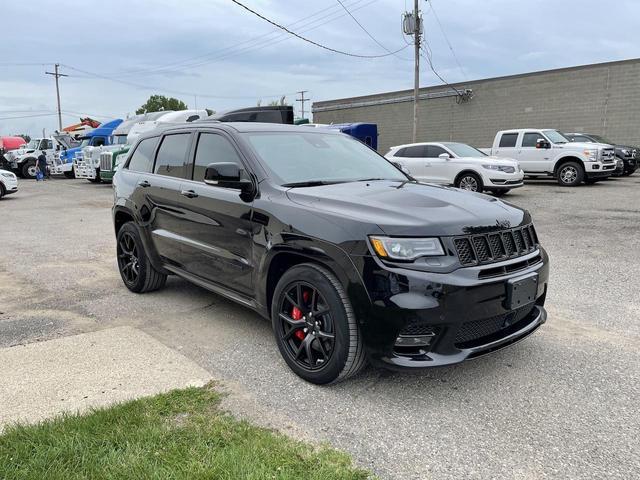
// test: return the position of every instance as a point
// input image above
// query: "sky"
(214, 54)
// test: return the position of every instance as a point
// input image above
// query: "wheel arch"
(566, 159)
(466, 171)
(281, 258)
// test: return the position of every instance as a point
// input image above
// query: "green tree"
(158, 103)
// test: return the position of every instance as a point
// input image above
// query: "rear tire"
(335, 349)
(469, 181)
(570, 174)
(70, 174)
(136, 270)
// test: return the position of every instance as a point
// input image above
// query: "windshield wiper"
(310, 183)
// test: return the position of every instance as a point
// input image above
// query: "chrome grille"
(105, 161)
(608, 154)
(493, 247)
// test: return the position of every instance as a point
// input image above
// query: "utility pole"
(302, 100)
(57, 75)
(416, 75)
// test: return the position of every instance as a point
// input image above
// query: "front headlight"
(591, 154)
(500, 168)
(406, 248)
(626, 152)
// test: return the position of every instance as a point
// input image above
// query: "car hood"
(584, 145)
(410, 208)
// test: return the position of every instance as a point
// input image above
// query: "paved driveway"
(562, 404)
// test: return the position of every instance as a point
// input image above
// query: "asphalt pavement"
(561, 404)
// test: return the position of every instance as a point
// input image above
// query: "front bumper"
(495, 180)
(464, 314)
(10, 187)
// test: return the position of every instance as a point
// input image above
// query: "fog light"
(596, 167)
(414, 340)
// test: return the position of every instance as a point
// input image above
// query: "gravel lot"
(562, 404)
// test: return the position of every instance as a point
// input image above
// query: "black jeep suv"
(350, 259)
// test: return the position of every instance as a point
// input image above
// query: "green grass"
(178, 435)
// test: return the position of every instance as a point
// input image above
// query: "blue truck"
(367, 133)
(95, 138)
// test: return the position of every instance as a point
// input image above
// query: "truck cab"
(23, 160)
(548, 153)
(69, 158)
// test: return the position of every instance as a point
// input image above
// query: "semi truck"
(23, 160)
(100, 136)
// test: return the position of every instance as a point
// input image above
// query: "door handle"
(188, 193)
(144, 184)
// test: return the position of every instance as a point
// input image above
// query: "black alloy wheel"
(136, 270)
(315, 327)
(306, 326)
(128, 259)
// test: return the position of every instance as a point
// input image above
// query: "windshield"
(33, 144)
(464, 150)
(555, 136)
(297, 157)
(600, 139)
(120, 140)
(85, 142)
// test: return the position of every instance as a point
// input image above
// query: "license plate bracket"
(521, 291)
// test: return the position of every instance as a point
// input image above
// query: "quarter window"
(508, 140)
(213, 148)
(142, 157)
(172, 154)
(530, 139)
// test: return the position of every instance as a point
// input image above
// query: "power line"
(341, 52)
(188, 62)
(446, 38)
(366, 31)
(29, 116)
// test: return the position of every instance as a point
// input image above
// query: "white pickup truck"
(546, 152)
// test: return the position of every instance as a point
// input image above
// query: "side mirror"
(542, 143)
(227, 175)
(444, 156)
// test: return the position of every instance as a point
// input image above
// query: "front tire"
(570, 174)
(70, 174)
(136, 270)
(28, 169)
(1, 191)
(469, 181)
(315, 327)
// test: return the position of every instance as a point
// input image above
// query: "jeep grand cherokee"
(351, 259)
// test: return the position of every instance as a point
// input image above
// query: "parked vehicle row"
(8, 183)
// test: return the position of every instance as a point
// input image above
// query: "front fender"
(314, 250)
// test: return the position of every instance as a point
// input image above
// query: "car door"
(414, 159)
(507, 145)
(533, 159)
(439, 170)
(215, 221)
(157, 191)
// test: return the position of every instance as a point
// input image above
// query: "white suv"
(458, 164)
(8, 183)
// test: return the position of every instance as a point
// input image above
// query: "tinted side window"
(142, 159)
(213, 148)
(46, 145)
(399, 153)
(530, 139)
(508, 140)
(433, 151)
(172, 155)
(417, 151)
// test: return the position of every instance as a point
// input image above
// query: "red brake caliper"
(296, 314)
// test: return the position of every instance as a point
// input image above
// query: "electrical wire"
(312, 42)
(367, 32)
(446, 38)
(200, 58)
(29, 116)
